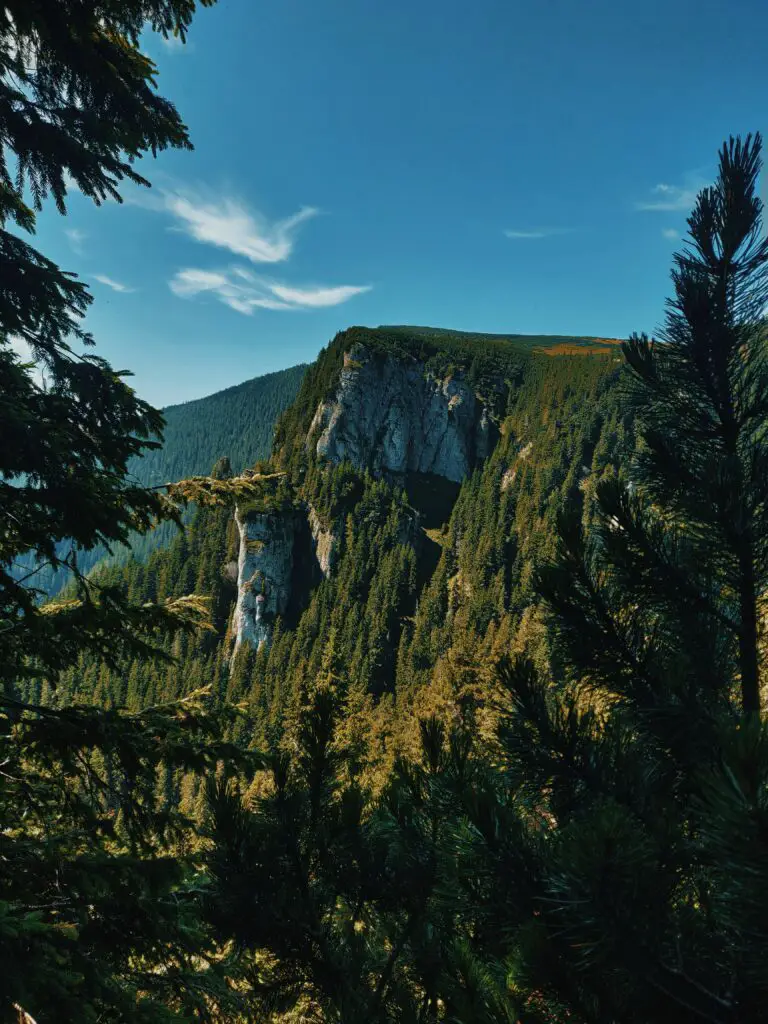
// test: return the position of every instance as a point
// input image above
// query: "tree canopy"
(94, 911)
(504, 761)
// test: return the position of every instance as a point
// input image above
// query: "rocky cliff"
(388, 414)
(325, 542)
(393, 416)
(264, 570)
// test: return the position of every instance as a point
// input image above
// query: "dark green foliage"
(704, 397)
(238, 422)
(343, 906)
(77, 99)
(98, 897)
(97, 893)
(647, 768)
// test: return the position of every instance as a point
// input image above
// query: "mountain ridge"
(384, 579)
(237, 422)
(391, 412)
(528, 340)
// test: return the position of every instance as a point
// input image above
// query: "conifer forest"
(422, 682)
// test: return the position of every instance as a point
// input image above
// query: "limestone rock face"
(325, 542)
(264, 568)
(392, 416)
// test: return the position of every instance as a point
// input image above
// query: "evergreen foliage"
(96, 904)
(347, 908)
(237, 422)
(508, 757)
(99, 894)
(647, 766)
(78, 103)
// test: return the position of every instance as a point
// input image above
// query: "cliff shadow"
(305, 574)
(432, 496)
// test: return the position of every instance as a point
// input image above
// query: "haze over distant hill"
(238, 422)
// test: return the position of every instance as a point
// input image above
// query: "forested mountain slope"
(385, 573)
(451, 711)
(238, 423)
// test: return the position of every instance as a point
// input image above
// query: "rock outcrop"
(325, 542)
(264, 569)
(391, 415)
(509, 476)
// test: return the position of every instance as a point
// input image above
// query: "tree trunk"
(748, 640)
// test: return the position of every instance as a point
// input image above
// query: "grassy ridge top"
(554, 344)
(484, 357)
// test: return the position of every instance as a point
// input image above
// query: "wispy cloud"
(244, 292)
(226, 222)
(316, 298)
(237, 294)
(76, 237)
(670, 233)
(229, 224)
(536, 233)
(110, 282)
(667, 198)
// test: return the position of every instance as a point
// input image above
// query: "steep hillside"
(238, 422)
(417, 480)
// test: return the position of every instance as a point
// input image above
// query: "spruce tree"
(97, 918)
(78, 107)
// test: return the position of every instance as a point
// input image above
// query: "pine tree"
(641, 779)
(99, 918)
(338, 902)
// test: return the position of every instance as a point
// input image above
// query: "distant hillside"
(237, 422)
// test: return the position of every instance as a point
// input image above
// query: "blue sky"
(495, 166)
